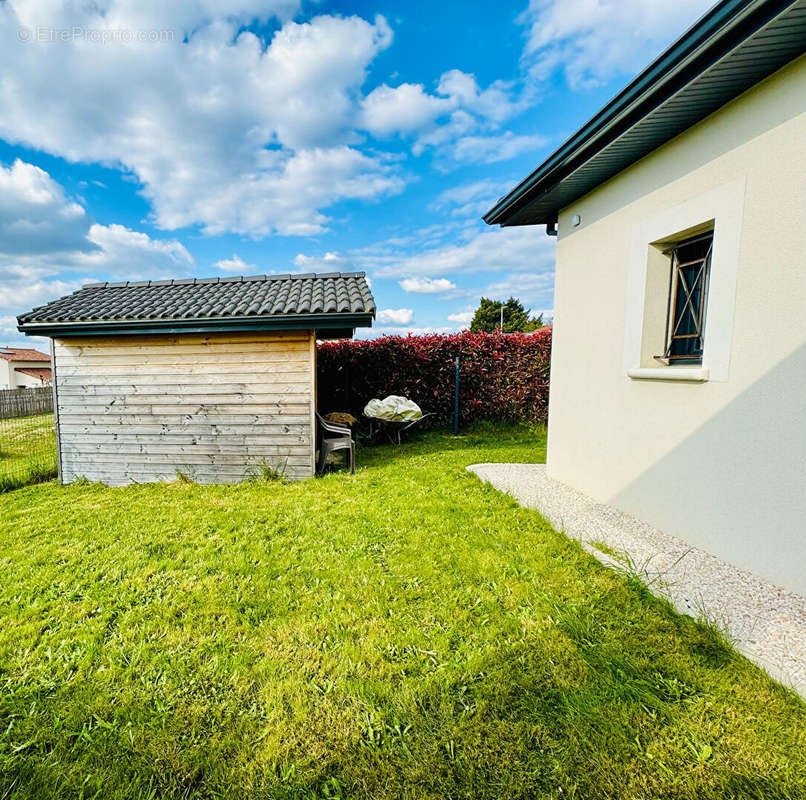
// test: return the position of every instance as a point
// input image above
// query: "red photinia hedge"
(502, 376)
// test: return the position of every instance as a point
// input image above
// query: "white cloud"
(44, 232)
(529, 288)
(9, 335)
(472, 199)
(35, 214)
(404, 109)
(146, 16)
(30, 281)
(409, 107)
(131, 253)
(423, 237)
(493, 262)
(440, 137)
(277, 122)
(495, 148)
(235, 264)
(494, 249)
(391, 316)
(457, 122)
(272, 142)
(459, 195)
(496, 103)
(287, 200)
(592, 41)
(18, 296)
(426, 285)
(329, 262)
(464, 140)
(464, 318)
(50, 246)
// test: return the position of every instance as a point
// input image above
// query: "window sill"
(690, 374)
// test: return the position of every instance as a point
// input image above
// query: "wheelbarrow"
(392, 417)
(393, 429)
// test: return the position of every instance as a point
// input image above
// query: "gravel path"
(765, 622)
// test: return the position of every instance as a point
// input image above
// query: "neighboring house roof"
(41, 373)
(22, 354)
(733, 47)
(331, 300)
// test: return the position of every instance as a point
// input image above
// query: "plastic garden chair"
(333, 437)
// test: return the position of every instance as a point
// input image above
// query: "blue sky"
(143, 139)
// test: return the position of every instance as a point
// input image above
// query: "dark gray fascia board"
(714, 36)
(230, 324)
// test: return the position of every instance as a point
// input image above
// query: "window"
(690, 262)
(652, 288)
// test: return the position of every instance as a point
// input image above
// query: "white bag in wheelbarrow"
(393, 409)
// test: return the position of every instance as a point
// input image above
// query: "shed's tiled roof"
(211, 298)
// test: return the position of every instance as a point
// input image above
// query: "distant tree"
(487, 318)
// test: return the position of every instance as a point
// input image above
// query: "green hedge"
(502, 376)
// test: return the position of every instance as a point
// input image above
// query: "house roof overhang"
(734, 46)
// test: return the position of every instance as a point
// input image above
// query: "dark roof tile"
(210, 298)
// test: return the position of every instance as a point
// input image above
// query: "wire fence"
(27, 438)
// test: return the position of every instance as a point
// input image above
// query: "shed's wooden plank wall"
(213, 407)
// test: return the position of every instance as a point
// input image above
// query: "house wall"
(11, 379)
(20, 379)
(213, 407)
(719, 460)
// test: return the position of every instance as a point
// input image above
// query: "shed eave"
(197, 325)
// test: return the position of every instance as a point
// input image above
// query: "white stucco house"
(678, 382)
(22, 367)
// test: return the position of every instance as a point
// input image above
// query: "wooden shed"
(208, 378)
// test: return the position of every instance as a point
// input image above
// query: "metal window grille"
(688, 300)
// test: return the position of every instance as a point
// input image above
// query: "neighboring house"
(22, 367)
(211, 378)
(678, 382)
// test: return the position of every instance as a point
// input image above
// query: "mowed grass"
(27, 451)
(406, 633)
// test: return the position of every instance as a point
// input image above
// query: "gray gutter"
(722, 29)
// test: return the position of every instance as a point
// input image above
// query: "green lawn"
(406, 633)
(27, 451)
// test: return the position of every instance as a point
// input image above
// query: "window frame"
(657, 225)
(677, 283)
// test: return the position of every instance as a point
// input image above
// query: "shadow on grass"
(501, 442)
(27, 476)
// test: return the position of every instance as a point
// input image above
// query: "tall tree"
(487, 318)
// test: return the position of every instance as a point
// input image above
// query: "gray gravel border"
(765, 622)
